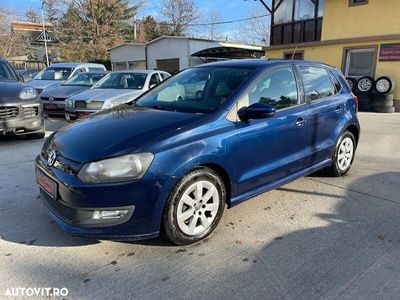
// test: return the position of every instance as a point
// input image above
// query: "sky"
(225, 9)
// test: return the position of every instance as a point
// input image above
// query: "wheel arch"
(355, 131)
(224, 176)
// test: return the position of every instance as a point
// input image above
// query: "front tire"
(344, 155)
(195, 207)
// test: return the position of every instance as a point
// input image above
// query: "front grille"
(8, 112)
(30, 112)
(64, 212)
(53, 99)
(89, 105)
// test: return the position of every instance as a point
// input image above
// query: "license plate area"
(46, 183)
(50, 106)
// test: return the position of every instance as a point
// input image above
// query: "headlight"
(28, 93)
(69, 102)
(118, 169)
(110, 104)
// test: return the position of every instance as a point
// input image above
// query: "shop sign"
(389, 52)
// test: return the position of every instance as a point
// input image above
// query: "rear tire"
(382, 103)
(344, 155)
(195, 207)
(383, 97)
(365, 84)
(352, 83)
(384, 85)
(385, 110)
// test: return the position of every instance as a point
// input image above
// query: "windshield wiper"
(159, 107)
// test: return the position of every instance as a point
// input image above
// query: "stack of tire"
(363, 89)
(373, 95)
(383, 98)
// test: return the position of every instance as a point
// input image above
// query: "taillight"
(356, 100)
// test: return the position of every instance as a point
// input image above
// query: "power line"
(227, 22)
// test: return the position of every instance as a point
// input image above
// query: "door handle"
(338, 109)
(300, 122)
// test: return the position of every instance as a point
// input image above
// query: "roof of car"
(256, 63)
(140, 71)
(74, 65)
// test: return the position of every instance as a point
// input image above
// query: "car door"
(273, 148)
(325, 107)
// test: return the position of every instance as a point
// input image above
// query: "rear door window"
(317, 83)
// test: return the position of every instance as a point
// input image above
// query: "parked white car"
(113, 89)
(57, 74)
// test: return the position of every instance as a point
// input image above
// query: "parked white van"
(58, 73)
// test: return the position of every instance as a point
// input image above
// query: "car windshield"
(129, 80)
(6, 73)
(84, 79)
(197, 90)
(54, 73)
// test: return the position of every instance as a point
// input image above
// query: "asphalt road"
(315, 238)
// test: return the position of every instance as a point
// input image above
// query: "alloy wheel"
(198, 208)
(345, 153)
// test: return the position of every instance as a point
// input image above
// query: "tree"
(213, 16)
(179, 14)
(152, 29)
(32, 16)
(256, 30)
(89, 27)
(52, 11)
(11, 43)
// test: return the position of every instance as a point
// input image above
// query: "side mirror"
(21, 78)
(256, 111)
(153, 85)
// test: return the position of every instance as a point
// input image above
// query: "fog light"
(109, 214)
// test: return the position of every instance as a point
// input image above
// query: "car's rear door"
(273, 148)
(325, 108)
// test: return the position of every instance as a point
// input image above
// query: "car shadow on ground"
(352, 253)
(354, 256)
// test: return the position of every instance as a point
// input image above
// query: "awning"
(229, 53)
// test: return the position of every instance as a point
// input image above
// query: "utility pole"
(134, 29)
(45, 36)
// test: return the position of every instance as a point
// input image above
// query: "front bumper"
(21, 119)
(53, 107)
(72, 114)
(146, 198)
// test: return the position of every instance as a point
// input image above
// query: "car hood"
(108, 94)
(63, 91)
(43, 84)
(9, 90)
(118, 131)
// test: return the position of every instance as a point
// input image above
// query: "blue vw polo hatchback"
(209, 137)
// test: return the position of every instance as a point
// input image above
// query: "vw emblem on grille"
(51, 98)
(52, 157)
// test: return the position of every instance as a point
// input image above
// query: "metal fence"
(18, 64)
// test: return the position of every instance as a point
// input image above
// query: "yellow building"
(349, 34)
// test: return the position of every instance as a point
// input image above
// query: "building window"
(357, 2)
(293, 55)
(360, 62)
(119, 66)
(304, 9)
(296, 21)
(283, 11)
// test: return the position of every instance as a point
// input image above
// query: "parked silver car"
(53, 98)
(58, 73)
(113, 89)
